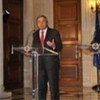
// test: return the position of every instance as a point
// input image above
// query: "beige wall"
(88, 25)
(33, 8)
(44, 7)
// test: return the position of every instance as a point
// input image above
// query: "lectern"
(35, 64)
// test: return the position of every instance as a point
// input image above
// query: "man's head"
(42, 22)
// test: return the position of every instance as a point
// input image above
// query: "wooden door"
(13, 35)
(67, 19)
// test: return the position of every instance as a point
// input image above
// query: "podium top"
(48, 53)
(44, 54)
(39, 51)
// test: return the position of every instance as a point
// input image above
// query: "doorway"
(67, 19)
(13, 36)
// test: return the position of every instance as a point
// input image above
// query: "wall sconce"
(93, 5)
(92, 8)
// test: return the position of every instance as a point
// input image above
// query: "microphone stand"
(27, 38)
(96, 50)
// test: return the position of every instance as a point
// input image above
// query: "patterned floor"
(26, 94)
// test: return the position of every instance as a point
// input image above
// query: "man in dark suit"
(48, 64)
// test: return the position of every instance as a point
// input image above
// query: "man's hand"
(51, 43)
(28, 54)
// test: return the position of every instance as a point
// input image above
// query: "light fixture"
(93, 4)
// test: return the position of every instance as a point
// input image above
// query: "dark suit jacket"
(50, 35)
(48, 65)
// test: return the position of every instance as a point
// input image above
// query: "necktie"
(42, 38)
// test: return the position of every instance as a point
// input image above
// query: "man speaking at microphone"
(48, 64)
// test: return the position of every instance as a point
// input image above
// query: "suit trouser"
(49, 72)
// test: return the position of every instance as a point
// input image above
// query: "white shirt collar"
(44, 30)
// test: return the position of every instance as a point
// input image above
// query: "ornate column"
(2, 93)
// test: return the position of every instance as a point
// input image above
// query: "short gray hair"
(43, 17)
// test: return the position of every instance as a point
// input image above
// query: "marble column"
(28, 22)
(2, 93)
(88, 28)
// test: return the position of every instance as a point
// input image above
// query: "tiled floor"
(88, 94)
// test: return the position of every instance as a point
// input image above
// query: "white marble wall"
(28, 27)
(44, 7)
(88, 26)
(33, 8)
(1, 47)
